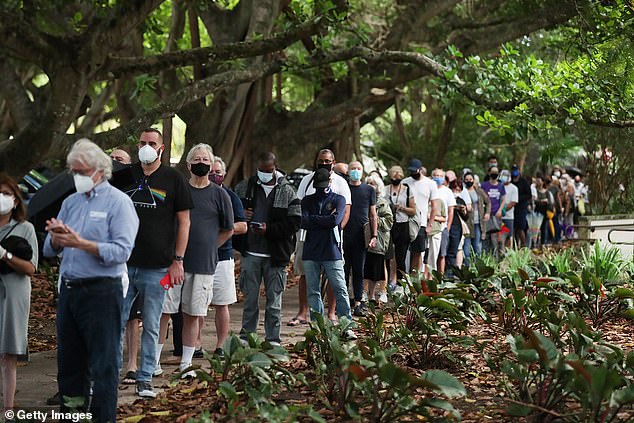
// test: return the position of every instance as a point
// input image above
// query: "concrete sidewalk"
(37, 379)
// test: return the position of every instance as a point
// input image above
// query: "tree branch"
(609, 123)
(15, 95)
(118, 66)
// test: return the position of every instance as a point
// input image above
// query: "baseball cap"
(414, 165)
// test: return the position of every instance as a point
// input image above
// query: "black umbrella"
(47, 201)
(573, 171)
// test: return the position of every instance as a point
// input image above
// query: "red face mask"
(216, 179)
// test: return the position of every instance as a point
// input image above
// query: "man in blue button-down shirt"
(94, 232)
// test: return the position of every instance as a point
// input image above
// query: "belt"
(79, 282)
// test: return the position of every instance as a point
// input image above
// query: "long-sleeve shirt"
(105, 216)
(322, 217)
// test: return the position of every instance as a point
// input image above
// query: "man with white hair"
(94, 232)
(211, 226)
(224, 286)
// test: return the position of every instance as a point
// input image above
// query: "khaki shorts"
(197, 293)
(298, 264)
(224, 283)
(172, 299)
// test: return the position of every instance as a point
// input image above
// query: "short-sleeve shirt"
(157, 198)
(512, 195)
(495, 193)
(363, 196)
(212, 213)
(225, 251)
(449, 200)
(338, 185)
(424, 190)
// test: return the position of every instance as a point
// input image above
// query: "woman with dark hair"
(18, 261)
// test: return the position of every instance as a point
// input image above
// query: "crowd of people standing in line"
(164, 246)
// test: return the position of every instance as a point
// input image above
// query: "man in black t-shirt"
(162, 201)
(355, 246)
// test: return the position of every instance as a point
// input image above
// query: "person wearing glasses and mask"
(273, 214)
(94, 232)
(339, 185)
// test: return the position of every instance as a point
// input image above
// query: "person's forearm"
(346, 216)
(224, 236)
(182, 235)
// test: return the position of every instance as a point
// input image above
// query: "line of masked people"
(159, 245)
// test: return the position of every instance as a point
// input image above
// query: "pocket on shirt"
(96, 228)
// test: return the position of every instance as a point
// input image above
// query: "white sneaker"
(144, 389)
(158, 370)
(275, 344)
(349, 335)
(399, 290)
(382, 297)
(187, 375)
(364, 297)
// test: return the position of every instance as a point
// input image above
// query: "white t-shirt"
(447, 197)
(338, 185)
(512, 195)
(424, 190)
(466, 197)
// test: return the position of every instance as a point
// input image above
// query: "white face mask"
(265, 177)
(7, 203)
(83, 183)
(147, 154)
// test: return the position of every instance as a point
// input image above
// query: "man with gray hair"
(95, 231)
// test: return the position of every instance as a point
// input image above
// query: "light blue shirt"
(105, 216)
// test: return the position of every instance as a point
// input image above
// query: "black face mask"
(327, 166)
(415, 175)
(343, 175)
(468, 184)
(493, 176)
(395, 182)
(200, 169)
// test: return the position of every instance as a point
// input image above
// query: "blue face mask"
(265, 177)
(504, 179)
(439, 180)
(355, 175)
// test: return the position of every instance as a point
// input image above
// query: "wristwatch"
(9, 256)
(179, 258)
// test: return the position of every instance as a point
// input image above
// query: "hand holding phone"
(166, 282)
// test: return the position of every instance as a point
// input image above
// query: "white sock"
(159, 350)
(188, 354)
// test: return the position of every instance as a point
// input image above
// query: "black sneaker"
(359, 310)
(218, 352)
(198, 353)
(144, 389)
(54, 400)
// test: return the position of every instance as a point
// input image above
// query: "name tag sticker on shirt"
(98, 214)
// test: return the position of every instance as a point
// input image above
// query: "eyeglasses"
(82, 172)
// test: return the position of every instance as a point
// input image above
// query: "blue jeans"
(145, 282)
(88, 333)
(333, 270)
(254, 270)
(472, 245)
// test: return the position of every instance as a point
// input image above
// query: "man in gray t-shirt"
(211, 226)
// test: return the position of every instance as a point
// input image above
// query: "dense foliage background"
(537, 82)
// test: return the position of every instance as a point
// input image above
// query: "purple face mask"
(216, 179)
